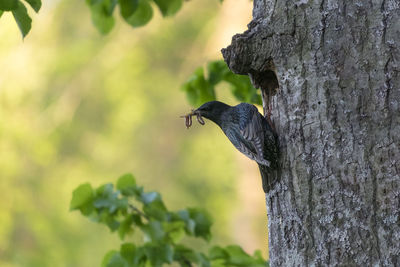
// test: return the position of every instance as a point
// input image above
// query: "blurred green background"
(76, 106)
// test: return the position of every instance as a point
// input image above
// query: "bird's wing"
(252, 131)
(241, 144)
(249, 137)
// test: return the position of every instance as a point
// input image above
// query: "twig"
(138, 211)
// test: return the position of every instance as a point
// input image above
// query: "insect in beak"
(188, 118)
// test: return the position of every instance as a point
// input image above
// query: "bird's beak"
(195, 112)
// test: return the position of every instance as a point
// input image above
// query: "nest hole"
(266, 79)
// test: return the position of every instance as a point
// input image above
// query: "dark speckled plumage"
(248, 131)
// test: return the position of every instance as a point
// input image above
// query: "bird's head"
(212, 110)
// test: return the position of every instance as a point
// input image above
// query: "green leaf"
(104, 189)
(22, 18)
(106, 197)
(168, 7)
(81, 196)
(183, 253)
(1, 13)
(216, 71)
(140, 257)
(142, 14)
(125, 226)
(203, 223)
(153, 205)
(238, 257)
(112, 203)
(198, 222)
(149, 197)
(198, 89)
(190, 223)
(127, 251)
(156, 210)
(175, 230)
(103, 23)
(109, 220)
(259, 260)
(137, 219)
(218, 253)
(159, 253)
(107, 201)
(242, 88)
(35, 4)
(8, 5)
(153, 231)
(107, 258)
(102, 14)
(219, 263)
(117, 260)
(127, 7)
(127, 185)
(203, 260)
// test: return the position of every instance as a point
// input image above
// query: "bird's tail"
(268, 177)
(264, 177)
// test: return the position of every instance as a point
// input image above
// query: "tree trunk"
(337, 198)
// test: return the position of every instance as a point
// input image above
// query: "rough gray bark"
(337, 200)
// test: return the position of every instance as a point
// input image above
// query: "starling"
(248, 131)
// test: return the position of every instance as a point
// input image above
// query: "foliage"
(89, 102)
(136, 13)
(127, 208)
(200, 89)
(20, 13)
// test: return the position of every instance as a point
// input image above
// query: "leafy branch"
(201, 87)
(20, 13)
(161, 230)
(135, 12)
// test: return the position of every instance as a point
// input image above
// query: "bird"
(248, 131)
